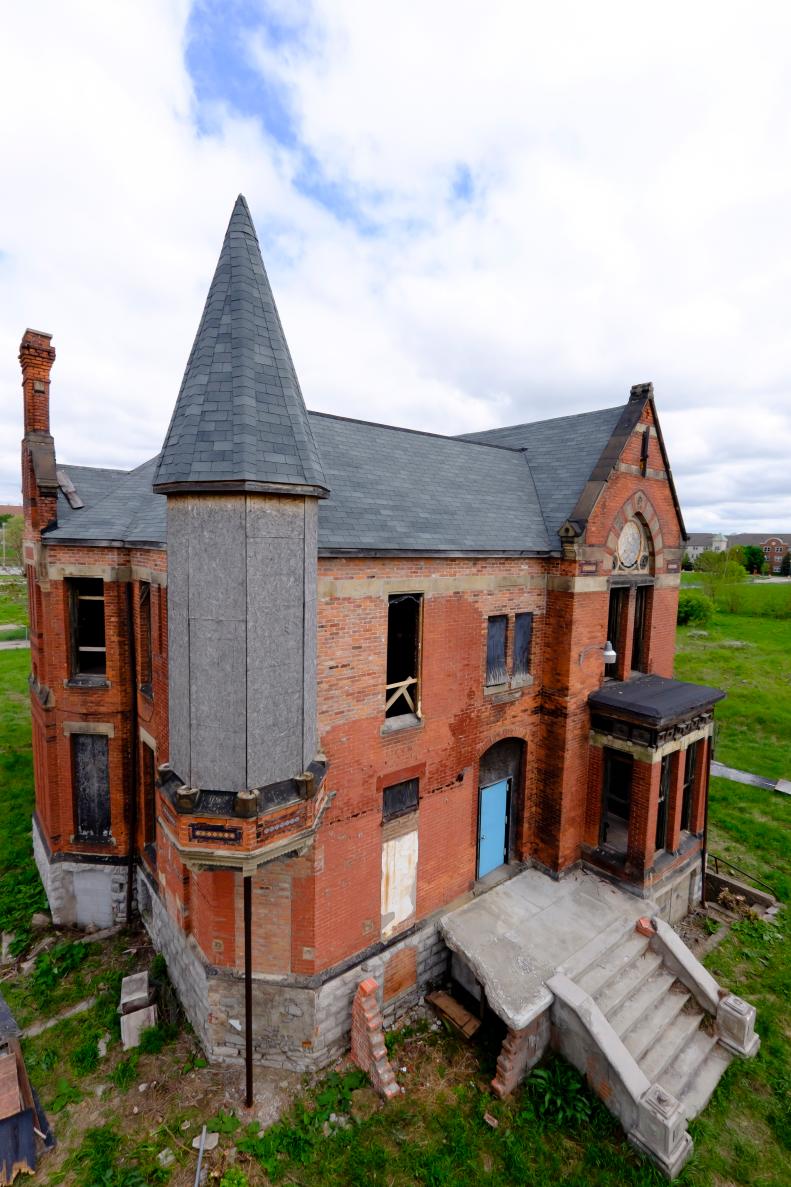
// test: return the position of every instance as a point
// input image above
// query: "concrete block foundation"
(301, 1023)
(81, 893)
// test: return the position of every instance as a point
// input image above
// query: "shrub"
(694, 608)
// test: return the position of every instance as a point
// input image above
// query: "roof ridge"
(376, 424)
(531, 424)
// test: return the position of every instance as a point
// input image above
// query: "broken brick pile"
(368, 1040)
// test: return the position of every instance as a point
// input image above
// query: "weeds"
(558, 1095)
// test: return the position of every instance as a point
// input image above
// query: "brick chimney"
(39, 480)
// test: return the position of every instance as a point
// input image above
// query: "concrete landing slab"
(519, 934)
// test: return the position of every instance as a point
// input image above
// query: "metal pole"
(248, 989)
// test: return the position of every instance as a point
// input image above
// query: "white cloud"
(631, 176)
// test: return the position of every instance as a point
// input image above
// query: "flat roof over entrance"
(655, 700)
(516, 936)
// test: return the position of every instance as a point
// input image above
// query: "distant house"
(705, 542)
(774, 546)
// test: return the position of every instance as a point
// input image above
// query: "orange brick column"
(521, 1051)
(642, 820)
(675, 797)
(368, 1040)
(700, 791)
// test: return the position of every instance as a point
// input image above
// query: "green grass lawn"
(750, 658)
(13, 601)
(437, 1134)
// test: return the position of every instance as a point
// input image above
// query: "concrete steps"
(656, 1019)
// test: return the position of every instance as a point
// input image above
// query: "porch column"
(642, 819)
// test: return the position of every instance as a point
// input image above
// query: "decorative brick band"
(368, 1040)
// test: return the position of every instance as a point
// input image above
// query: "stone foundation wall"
(679, 893)
(300, 1027)
(81, 894)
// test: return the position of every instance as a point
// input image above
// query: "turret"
(243, 478)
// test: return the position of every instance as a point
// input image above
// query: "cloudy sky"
(473, 213)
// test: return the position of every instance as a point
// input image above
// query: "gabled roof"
(561, 453)
(240, 421)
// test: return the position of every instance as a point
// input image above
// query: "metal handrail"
(732, 866)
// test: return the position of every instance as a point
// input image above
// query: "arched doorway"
(499, 785)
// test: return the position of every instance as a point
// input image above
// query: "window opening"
(399, 798)
(144, 607)
(690, 770)
(616, 622)
(661, 810)
(496, 631)
(403, 654)
(91, 786)
(89, 653)
(523, 638)
(644, 451)
(642, 604)
(617, 800)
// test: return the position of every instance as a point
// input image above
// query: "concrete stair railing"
(628, 1016)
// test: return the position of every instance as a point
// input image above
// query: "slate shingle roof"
(393, 489)
(561, 453)
(239, 417)
(397, 489)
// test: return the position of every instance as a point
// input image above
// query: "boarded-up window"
(148, 779)
(399, 798)
(145, 635)
(523, 638)
(495, 649)
(399, 883)
(403, 654)
(88, 650)
(91, 786)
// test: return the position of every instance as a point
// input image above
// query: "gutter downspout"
(132, 821)
(247, 883)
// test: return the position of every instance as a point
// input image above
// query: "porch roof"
(655, 700)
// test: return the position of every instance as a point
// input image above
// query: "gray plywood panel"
(218, 724)
(275, 587)
(217, 542)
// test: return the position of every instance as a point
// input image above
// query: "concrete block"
(133, 1025)
(736, 1026)
(135, 993)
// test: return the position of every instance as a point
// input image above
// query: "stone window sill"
(86, 682)
(405, 721)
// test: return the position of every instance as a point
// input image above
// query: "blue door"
(493, 821)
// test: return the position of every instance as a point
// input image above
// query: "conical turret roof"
(240, 421)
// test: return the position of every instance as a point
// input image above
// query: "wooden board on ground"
(459, 1018)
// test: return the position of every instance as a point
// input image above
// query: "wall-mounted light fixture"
(608, 651)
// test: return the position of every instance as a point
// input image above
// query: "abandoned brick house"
(335, 678)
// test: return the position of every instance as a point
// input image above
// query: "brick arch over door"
(506, 760)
